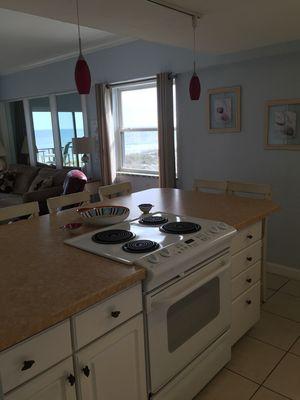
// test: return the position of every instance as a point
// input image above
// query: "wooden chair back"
(115, 190)
(20, 210)
(54, 203)
(92, 187)
(203, 185)
(258, 190)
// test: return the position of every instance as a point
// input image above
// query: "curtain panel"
(166, 149)
(106, 133)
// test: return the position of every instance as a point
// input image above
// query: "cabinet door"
(113, 367)
(54, 384)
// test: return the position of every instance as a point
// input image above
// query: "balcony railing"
(47, 156)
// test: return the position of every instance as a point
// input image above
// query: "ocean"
(134, 142)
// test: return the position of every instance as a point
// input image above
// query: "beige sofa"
(28, 185)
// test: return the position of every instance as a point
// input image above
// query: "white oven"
(185, 316)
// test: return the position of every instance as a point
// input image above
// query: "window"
(135, 115)
(43, 132)
(70, 121)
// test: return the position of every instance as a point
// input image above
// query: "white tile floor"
(265, 363)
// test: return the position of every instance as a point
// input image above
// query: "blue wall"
(241, 156)
(262, 76)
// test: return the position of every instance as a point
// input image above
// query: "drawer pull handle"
(249, 280)
(71, 379)
(249, 302)
(27, 364)
(249, 236)
(86, 371)
(115, 314)
(249, 258)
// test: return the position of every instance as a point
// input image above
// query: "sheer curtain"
(166, 150)
(106, 133)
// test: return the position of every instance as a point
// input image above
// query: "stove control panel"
(188, 246)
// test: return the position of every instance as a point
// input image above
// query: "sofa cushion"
(24, 178)
(10, 199)
(7, 181)
(44, 177)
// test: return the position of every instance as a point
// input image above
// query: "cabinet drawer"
(50, 385)
(246, 237)
(96, 321)
(245, 258)
(245, 312)
(245, 280)
(33, 356)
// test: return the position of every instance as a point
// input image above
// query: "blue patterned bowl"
(103, 215)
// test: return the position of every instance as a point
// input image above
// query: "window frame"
(120, 130)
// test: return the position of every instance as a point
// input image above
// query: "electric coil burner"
(153, 220)
(180, 228)
(113, 236)
(140, 246)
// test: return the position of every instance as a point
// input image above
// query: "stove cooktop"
(132, 241)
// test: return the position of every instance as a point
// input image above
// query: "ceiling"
(225, 26)
(27, 40)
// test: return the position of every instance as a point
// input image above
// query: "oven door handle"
(169, 300)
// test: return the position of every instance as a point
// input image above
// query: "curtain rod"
(175, 8)
(141, 80)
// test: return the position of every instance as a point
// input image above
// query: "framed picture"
(282, 130)
(224, 110)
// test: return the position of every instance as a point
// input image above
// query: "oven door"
(186, 317)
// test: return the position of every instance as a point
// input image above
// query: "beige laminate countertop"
(43, 281)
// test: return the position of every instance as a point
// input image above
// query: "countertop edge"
(80, 306)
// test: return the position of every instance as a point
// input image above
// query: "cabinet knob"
(71, 379)
(115, 314)
(27, 364)
(86, 371)
(249, 258)
(249, 236)
(249, 302)
(249, 280)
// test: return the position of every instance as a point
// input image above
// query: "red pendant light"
(82, 71)
(195, 85)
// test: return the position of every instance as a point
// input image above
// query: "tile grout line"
(269, 344)
(279, 315)
(293, 345)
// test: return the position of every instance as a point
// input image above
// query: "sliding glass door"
(43, 130)
(70, 121)
(52, 122)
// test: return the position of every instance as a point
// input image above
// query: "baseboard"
(289, 272)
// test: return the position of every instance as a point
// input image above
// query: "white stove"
(187, 295)
(170, 254)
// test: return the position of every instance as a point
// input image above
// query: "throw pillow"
(7, 181)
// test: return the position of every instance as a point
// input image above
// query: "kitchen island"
(43, 281)
(68, 316)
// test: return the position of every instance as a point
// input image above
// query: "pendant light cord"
(78, 28)
(194, 24)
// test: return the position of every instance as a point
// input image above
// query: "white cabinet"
(246, 253)
(113, 367)
(28, 359)
(55, 384)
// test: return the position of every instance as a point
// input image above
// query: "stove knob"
(214, 229)
(222, 226)
(153, 259)
(165, 253)
(203, 237)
